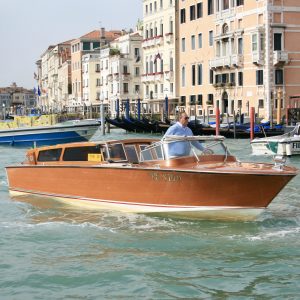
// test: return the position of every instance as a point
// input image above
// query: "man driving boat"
(180, 128)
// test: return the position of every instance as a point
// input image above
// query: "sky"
(28, 27)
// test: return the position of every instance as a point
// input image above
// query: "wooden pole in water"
(252, 117)
(279, 94)
(234, 125)
(207, 115)
(217, 121)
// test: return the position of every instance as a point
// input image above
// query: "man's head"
(183, 118)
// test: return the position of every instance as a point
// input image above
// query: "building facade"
(238, 54)
(54, 77)
(124, 78)
(159, 53)
(86, 44)
(91, 79)
(16, 100)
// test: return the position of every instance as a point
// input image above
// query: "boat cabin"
(90, 152)
(132, 151)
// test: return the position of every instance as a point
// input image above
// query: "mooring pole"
(217, 121)
(252, 121)
(234, 125)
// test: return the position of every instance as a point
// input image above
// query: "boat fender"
(281, 149)
(288, 150)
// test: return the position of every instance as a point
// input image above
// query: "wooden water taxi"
(151, 176)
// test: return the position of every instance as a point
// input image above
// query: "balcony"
(232, 61)
(236, 60)
(280, 58)
(169, 37)
(109, 77)
(224, 85)
(220, 62)
(159, 76)
(257, 58)
(153, 41)
(148, 77)
(225, 14)
(169, 75)
(116, 76)
(126, 76)
(159, 40)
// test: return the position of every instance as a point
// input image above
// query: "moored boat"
(66, 132)
(147, 176)
(286, 145)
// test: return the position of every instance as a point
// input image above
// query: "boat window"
(88, 153)
(116, 152)
(178, 148)
(49, 155)
(152, 152)
(131, 154)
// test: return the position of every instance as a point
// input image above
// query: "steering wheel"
(207, 152)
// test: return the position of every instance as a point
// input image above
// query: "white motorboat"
(284, 145)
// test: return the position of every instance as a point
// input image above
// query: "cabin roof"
(94, 143)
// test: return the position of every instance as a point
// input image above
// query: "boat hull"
(51, 135)
(273, 147)
(204, 212)
(148, 190)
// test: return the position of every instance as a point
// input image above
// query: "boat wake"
(275, 235)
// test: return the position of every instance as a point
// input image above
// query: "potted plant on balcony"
(229, 84)
(114, 51)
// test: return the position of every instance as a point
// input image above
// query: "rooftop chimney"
(102, 36)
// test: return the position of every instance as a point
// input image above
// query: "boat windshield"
(176, 146)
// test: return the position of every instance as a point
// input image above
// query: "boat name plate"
(169, 177)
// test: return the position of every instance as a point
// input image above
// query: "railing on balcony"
(148, 77)
(153, 41)
(126, 76)
(159, 40)
(224, 85)
(258, 58)
(159, 76)
(234, 60)
(280, 57)
(220, 62)
(225, 14)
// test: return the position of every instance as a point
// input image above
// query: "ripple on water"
(50, 251)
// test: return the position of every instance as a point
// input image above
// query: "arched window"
(225, 29)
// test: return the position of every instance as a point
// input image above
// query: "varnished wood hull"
(149, 190)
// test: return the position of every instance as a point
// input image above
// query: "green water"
(50, 251)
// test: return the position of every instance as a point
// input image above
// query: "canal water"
(50, 251)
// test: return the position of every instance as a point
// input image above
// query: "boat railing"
(177, 146)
